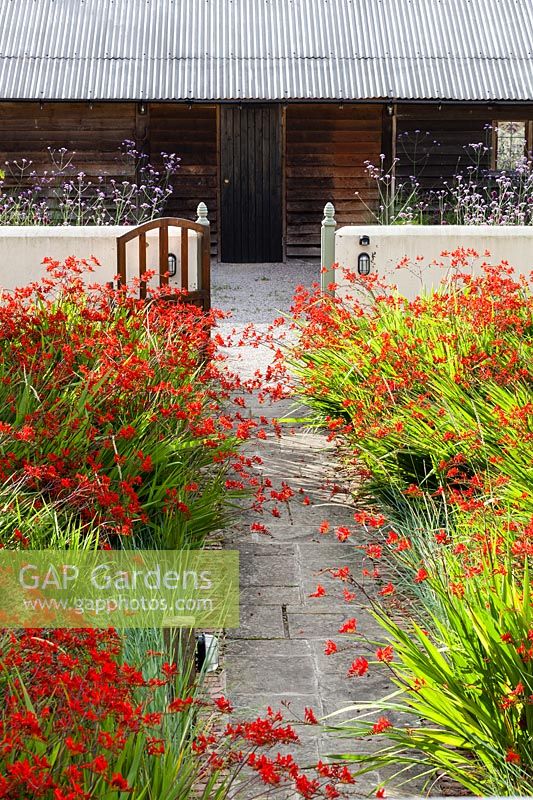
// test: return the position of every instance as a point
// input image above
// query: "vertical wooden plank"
(218, 184)
(231, 178)
(258, 181)
(249, 244)
(233, 175)
(225, 142)
(265, 194)
(142, 263)
(184, 266)
(163, 254)
(242, 164)
(274, 253)
(283, 181)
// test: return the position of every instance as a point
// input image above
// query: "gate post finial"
(202, 214)
(327, 248)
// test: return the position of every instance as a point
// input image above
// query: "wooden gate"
(199, 297)
(251, 218)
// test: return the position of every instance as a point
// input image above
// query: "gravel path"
(277, 654)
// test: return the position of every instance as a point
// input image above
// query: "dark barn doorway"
(251, 227)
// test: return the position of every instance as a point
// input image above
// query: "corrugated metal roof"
(266, 49)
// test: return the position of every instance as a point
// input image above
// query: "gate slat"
(163, 254)
(185, 258)
(142, 264)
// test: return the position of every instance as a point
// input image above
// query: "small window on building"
(510, 144)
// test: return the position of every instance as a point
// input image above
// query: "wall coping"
(436, 230)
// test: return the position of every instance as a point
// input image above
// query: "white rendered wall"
(23, 248)
(423, 246)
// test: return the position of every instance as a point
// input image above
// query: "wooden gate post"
(327, 248)
(204, 256)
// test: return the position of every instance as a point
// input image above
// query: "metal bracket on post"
(327, 248)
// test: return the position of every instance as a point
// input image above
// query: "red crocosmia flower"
(388, 589)
(403, 544)
(385, 653)
(381, 725)
(265, 767)
(374, 551)
(350, 626)
(330, 647)
(155, 747)
(349, 596)
(73, 746)
(127, 432)
(380, 793)
(119, 782)
(180, 704)
(342, 533)
(257, 527)
(99, 764)
(507, 638)
(320, 591)
(512, 757)
(223, 705)
(343, 573)
(305, 787)
(324, 527)
(310, 716)
(421, 575)
(370, 520)
(358, 667)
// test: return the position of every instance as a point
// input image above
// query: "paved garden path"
(277, 654)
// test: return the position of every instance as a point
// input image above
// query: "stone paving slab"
(285, 677)
(270, 596)
(267, 649)
(264, 547)
(259, 622)
(311, 626)
(268, 570)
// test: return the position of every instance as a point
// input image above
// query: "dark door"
(250, 161)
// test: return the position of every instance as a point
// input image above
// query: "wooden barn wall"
(94, 132)
(191, 133)
(326, 146)
(437, 152)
